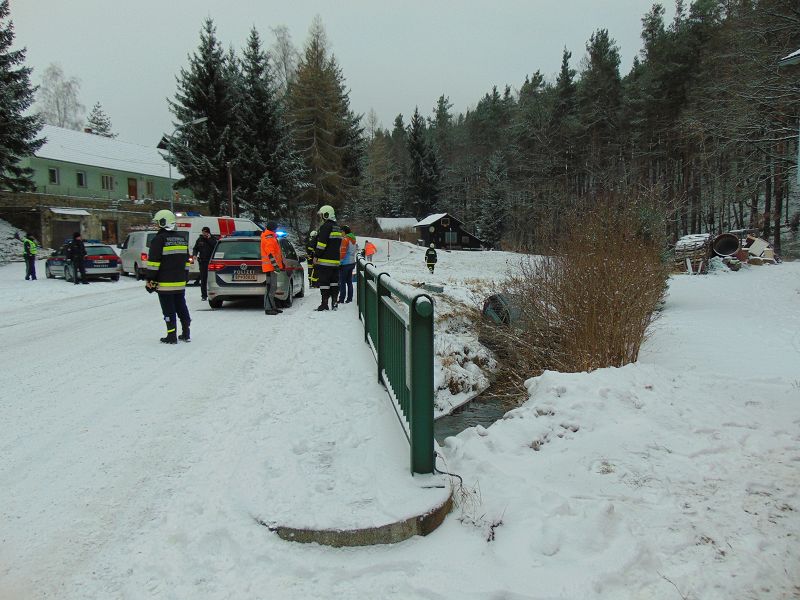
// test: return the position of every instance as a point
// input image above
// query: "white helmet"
(327, 212)
(165, 218)
(433, 246)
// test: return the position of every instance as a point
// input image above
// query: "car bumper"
(217, 288)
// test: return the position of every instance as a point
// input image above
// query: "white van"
(133, 251)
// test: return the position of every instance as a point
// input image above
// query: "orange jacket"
(369, 249)
(271, 257)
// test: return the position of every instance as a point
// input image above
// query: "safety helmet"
(326, 212)
(312, 234)
(165, 218)
(433, 246)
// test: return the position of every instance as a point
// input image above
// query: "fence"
(398, 326)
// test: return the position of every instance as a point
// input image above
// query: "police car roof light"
(193, 214)
(280, 233)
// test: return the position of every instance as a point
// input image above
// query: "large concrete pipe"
(725, 244)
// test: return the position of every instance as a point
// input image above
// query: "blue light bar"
(280, 233)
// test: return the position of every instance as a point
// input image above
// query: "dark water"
(484, 410)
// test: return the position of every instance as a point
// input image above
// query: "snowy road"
(102, 424)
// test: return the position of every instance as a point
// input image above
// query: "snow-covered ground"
(133, 470)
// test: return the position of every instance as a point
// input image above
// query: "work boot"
(325, 295)
(171, 337)
(184, 336)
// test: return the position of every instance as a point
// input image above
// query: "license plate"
(101, 262)
(245, 276)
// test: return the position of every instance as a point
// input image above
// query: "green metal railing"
(398, 326)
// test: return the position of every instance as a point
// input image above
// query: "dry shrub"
(589, 302)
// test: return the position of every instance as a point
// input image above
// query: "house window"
(451, 237)
(80, 178)
(107, 182)
(151, 189)
(52, 174)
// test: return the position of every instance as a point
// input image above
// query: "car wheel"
(136, 272)
(48, 273)
(115, 278)
(215, 303)
(302, 291)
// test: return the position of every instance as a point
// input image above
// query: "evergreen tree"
(600, 101)
(326, 133)
(99, 122)
(424, 172)
(493, 211)
(269, 173)
(202, 152)
(18, 138)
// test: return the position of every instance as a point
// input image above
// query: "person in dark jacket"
(430, 257)
(29, 253)
(76, 253)
(326, 259)
(166, 271)
(202, 252)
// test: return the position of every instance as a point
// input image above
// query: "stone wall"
(108, 220)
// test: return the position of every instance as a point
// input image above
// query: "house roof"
(79, 212)
(98, 151)
(433, 218)
(395, 223)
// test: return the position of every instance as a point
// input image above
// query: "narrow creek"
(483, 410)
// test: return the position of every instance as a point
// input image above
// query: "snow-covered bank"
(674, 477)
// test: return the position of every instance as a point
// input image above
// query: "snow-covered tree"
(269, 173)
(59, 102)
(18, 133)
(99, 122)
(201, 152)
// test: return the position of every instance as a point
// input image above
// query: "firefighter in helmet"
(166, 271)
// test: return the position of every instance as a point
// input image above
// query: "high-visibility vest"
(31, 246)
(369, 249)
(271, 256)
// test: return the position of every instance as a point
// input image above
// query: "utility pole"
(230, 189)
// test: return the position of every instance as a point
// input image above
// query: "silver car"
(235, 272)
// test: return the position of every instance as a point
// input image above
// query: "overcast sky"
(394, 55)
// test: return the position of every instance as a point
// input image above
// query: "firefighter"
(311, 244)
(75, 253)
(271, 264)
(166, 271)
(326, 257)
(430, 257)
(29, 252)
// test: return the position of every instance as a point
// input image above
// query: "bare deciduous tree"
(58, 102)
(284, 58)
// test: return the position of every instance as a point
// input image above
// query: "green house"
(85, 165)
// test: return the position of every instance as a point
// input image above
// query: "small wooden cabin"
(445, 231)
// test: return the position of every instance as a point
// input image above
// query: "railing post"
(380, 325)
(421, 421)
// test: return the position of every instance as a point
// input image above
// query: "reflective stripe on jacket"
(329, 239)
(168, 261)
(271, 256)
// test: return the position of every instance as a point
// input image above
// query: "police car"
(100, 261)
(235, 270)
